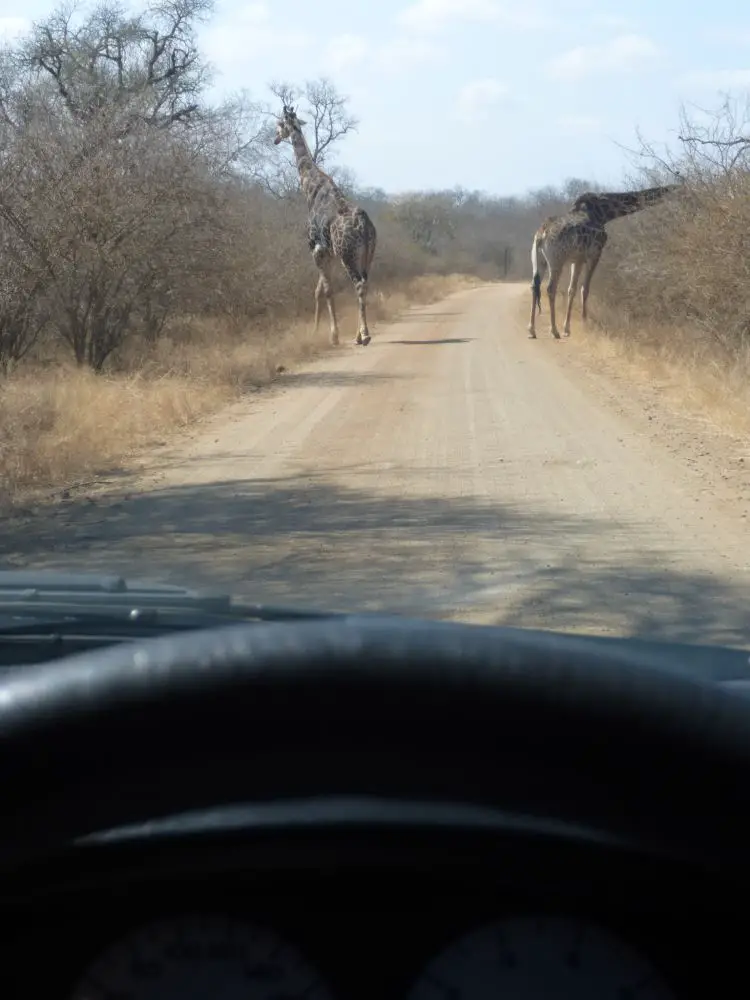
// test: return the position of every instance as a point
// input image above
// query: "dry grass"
(693, 375)
(61, 424)
(671, 299)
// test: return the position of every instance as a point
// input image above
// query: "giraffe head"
(287, 123)
(604, 207)
(584, 202)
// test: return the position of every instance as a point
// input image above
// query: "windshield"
(450, 320)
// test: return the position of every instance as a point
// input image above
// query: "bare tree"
(111, 240)
(429, 219)
(325, 110)
(684, 266)
(114, 172)
(712, 144)
(146, 65)
(132, 69)
(719, 145)
(23, 312)
(328, 122)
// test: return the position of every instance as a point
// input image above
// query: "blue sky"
(500, 95)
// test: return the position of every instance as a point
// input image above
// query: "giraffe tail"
(536, 281)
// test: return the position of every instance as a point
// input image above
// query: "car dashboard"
(407, 902)
(358, 913)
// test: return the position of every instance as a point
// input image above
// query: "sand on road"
(451, 469)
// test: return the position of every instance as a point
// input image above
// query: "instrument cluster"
(207, 955)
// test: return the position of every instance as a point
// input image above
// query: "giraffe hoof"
(365, 340)
(532, 335)
(566, 333)
(555, 334)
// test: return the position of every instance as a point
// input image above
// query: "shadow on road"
(425, 317)
(336, 380)
(306, 540)
(429, 343)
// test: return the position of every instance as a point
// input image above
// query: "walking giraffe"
(579, 237)
(335, 227)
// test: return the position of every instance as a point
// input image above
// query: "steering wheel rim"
(382, 706)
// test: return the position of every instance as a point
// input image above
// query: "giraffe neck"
(305, 163)
(615, 205)
(312, 179)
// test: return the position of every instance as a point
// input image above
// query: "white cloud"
(728, 36)
(405, 53)
(345, 51)
(435, 15)
(612, 20)
(427, 15)
(623, 54)
(578, 124)
(476, 99)
(248, 31)
(256, 12)
(722, 79)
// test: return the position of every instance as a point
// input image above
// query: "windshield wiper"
(45, 603)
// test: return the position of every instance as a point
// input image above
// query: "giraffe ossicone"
(336, 228)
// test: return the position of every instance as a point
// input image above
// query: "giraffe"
(335, 228)
(579, 236)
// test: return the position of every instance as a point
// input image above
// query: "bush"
(681, 270)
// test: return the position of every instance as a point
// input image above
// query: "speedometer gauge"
(197, 958)
(526, 957)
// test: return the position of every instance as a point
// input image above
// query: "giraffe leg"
(586, 283)
(318, 297)
(575, 269)
(359, 280)
(536, 293)
(363, 334)
(535, 298)
(536, 301)
(554, 278)
(323, 263)
(532, 318)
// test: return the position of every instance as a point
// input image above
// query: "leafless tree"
(683, 268)
(328, 122)
(145, 65)
(114, 170)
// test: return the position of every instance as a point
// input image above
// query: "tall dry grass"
(62, 423)
(693, 381)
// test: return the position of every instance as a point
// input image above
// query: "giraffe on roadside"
(579, 237)
(335, 228)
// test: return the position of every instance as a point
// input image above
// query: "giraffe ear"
(300, 122)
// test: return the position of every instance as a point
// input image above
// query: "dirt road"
(452, 469)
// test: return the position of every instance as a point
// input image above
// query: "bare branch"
(330, 119)
(328, 122)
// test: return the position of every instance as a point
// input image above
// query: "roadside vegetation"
(155, 264)
(154, 257)
(672, 293)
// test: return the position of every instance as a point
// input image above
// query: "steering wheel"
(379, 708)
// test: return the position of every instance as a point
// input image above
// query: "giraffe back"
(573, 235)
(354, 238)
